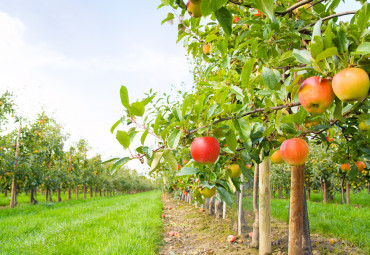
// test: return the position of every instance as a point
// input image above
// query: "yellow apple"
(235, 170)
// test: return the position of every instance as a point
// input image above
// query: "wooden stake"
(296, 211)
(13, 196)
(264, 208)
(224, 210)
(255, 236)
(240, 207)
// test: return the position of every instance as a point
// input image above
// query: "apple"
(185, 161)
(236, 19)
(250, 234)
(194, 10)
(206, 49)
(248, 166)
(178, 167)
(171, 233)
(276, 157)
(316, 95)
(360, 166)
(169, 208)
(208, 193)
(163, 216)
(1, 102)
(294, 151)
(201, 210)
(231, 238)
(329, 139)
(362, 126)
(351, 84)
(258, 14)
(205, 150)
(178, 204)
(235, 170)
(345, 167)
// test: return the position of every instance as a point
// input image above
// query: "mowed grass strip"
(349, 223)
(127, 224)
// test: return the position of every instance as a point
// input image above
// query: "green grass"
(127, 224)
(358, 198)
(25, 199)
(331, 220)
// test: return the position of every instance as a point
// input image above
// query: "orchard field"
(267, 152)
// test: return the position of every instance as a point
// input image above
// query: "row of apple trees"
(44, 164)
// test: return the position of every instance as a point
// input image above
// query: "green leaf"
(316, 30)
(231, 140)
(170, 16)
(210, 6)
(225, 19)
(170, 158)
(338, 110)
(326, 53)
(124, 97)
(177, 113)
(244, 129)
(269, 78)
(300, 116)
(119, 163)
(115, 125)
(246, 71)
(109, 160)
(211, 110)
(156, 160)
(317, 46)
(187, 171)
(363, 48)
(267, 7)
(288, 128)
(123, 138)
(174, 138)
(302, 56)
(137, 109)
(238, 92)
(156, 123)
(143, 136)
(225, 195)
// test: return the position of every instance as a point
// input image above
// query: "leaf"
(115, 125)
(238, 92)
(316, 30)
(244, 129)
(269, 78)
(211, 110)
(170, 16)
(156, 160)
(363, 48)
(143, 136)
(267, 7)
(225, 19)
(225, 195)
(119, 163)
(246, 71)
(326, 53)
(187, 171)
(338, 110)
(300, 116)
(124, 97)
(231, 140)
(302, 56)
(170, 158)
(123, 138)
(210, 6)
(317, 46)
(109, 160)
(156, 123)
(174, 138)
(177, 113)
(137, 109)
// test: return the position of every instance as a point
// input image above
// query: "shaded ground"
(199, 233)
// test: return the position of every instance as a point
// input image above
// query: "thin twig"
(328, 17)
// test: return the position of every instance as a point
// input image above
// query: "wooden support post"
(296, 211)
(255, 236)
(264, 208)
(224, 210)
(240, 206)
(13, 195)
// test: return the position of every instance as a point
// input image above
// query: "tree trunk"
(280, 191)
(211, 207)
(6, 193)
(218, 210)
(348, 189)
(58, 196)
(84, 191)
(69, 194)
(264, 207)
(96, 191)
(296, 211)
(100, 192)
(46, 195)
(76, 192)
(13, 196)
(324, 192)
(308, 193)
(50, 196)
(306, 239)
(255, 236)
(104, 192)
(342, 189)
(33, 201)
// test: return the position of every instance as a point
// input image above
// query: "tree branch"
(295, 6)
(326, 18)
(240, 3)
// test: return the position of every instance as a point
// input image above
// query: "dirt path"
(196, 232)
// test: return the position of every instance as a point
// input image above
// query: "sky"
(70, 58)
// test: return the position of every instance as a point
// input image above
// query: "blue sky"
(71, 57)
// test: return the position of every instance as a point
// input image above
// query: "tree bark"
(348, 189)
(100, 192)
(296, 211)
(76, 192)
(255, 236)
(84, 191)
(69, 194)
(264, 207)
(6, 193)
(218, 210)
(306, 238)
(308, 193)
(33, 201)
(280, 191)
(58, 196)
(342, 189)
(50, 196)
(324, 192)
(211, 208)
(46, 195)
(13, 196)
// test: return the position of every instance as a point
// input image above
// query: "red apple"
(345, 167)
(171, 233)
(194, 10)
(205, 150)
(316, 96)
(259, 14)
(360, 166)
(231, 238)
(163, 216)
(248, 166)
(351, 84)
(294, 151)
(329, 139)
(276, 157)
(236, 19)
(178, 167)
(185, 161)
(170, 208)
(250, 234)
(206, 49)
(201, 210)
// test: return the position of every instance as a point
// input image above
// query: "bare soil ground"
(200, 233)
